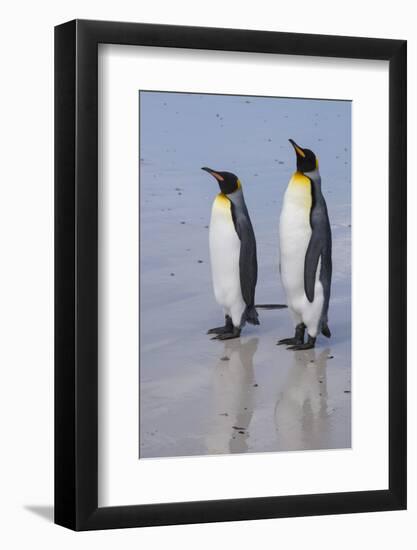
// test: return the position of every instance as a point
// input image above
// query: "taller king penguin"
(233, 257)
(306, 252)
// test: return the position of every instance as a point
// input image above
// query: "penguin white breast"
(295, 233)
(224, 254)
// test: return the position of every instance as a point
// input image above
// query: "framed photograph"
(230, 247)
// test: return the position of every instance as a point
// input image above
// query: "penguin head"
(306, 159)
(228, 182)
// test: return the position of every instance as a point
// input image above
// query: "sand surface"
(199, 396)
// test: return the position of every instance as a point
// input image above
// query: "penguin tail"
(325, 330)
(251, 315)
(271, 306)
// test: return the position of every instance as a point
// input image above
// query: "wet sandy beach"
(199, 396)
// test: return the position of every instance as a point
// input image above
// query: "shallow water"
(199, 396)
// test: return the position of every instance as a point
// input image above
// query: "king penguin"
(305, 251)
(233, 258)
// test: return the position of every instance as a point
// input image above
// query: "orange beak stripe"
(299, 151)
(217, 176)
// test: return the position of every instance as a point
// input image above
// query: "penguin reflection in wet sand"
(306, 252)
(233, 257)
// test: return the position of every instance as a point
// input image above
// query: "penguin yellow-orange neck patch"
(221, 201)
(299, 178)
(299, 189)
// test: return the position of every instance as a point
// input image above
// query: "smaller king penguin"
(306, 252)
(233, 257)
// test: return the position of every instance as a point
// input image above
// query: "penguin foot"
(228, 327)
(219, 330)
(298, 337)
(228, 335)
(289, 341)
(308, 345)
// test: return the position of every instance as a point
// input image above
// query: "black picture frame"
(76, 272)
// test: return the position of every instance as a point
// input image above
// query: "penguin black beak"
(298, 150)
(213, 173)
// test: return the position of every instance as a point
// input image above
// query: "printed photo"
(245, 274)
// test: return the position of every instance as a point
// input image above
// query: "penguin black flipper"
(320, 243)
(310, 264)
(248, 265)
